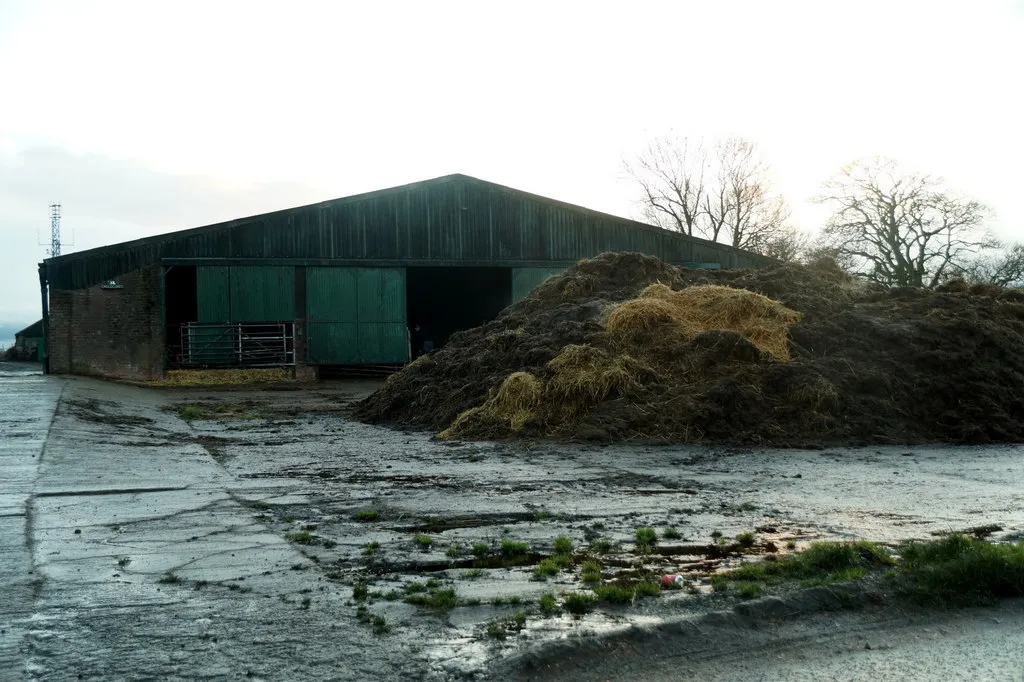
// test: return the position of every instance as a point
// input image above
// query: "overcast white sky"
(144, 117)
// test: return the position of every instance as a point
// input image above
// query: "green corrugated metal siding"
(525, 280)
(262, 293)
(454, 218)
(356, 316)
(244, 293)
(213, 296)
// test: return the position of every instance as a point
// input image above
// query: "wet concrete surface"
(137, 544)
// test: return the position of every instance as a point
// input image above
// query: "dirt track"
(211, 503)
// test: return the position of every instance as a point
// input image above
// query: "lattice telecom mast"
(54, 230)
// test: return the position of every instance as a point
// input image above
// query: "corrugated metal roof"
(454, 218)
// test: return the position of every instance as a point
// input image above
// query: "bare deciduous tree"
(1004, 268)
(671, 177)
(721, 193)
(901, 229)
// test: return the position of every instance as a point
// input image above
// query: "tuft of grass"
(169, 579)
(745, 539)
(547, 604)
(960, 569)
(500, 628)
(360, 591)
(123, 562)
(719, 582)
(371, 547)
(365, 515)
(380, 625)
(601, 546)
(414, 587)
(480, 549)
(302, 537)
(547, 568)
(453, 551)
(591, 572)
(748, 590)
(563, 545)
(790, 544)
(306, 601)
(578, 603)
(362, 613)
(190, 412)
(671, 534)
(514, 548)
(437, 599)
(624, 591)
(646, 538)
(423, 541)
(821, 563)
(716, 535)
(471, 574)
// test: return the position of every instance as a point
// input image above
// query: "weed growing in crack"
(646, 539)
(562, 545)
(547, 604)
(423, 541)
(719, 582)
(371, 547)
(790, 544)
(514, 548)
(302, 537)
(360, 591)
(601, 546)
(365, 515)
(169, 579)
(437, 599)
(471, 574)
(501, 628)
(329, 544)
(591, 572)
(671, 534)
(480, 549)
(578, 603)
(745, 539)
(380, 625)
(626, 591)
(362, 613)
(123, 562)
(190, 412)
(453, 551)
(547, 568)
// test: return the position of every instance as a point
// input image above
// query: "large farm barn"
(334, 284)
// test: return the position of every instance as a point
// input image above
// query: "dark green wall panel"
(525, 280)
(262, 293)
(212, 293)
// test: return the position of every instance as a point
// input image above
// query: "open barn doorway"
(445, 300)
(180, 305)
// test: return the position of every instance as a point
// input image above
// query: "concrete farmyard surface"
(137, 545)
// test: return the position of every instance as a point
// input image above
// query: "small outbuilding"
(347, 282)
(28, 343)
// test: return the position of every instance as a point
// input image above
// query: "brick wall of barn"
(109, 332)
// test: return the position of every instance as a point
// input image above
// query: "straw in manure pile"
(686, 313)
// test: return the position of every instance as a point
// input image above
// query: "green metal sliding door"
(356, 316)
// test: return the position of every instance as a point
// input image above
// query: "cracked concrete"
(136, 545)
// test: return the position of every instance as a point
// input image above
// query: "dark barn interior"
(444, 300)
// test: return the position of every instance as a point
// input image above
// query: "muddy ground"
(227, 544)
